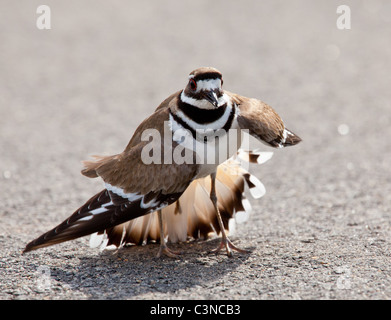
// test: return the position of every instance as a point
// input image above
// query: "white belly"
(217, 149)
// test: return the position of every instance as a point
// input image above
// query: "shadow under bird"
(138, 195)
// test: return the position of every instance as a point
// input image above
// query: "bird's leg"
(163, 246)
(225, 242)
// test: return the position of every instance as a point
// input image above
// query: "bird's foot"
(167, 252)
(229, 246)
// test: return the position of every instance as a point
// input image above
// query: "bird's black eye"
(193, 84)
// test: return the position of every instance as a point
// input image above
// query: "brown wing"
(131, 170)
(263, 122)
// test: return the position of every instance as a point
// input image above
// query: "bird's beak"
(211, 96)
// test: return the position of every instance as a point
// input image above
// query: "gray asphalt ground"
(322, 231)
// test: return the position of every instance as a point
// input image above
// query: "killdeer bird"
(195, 123)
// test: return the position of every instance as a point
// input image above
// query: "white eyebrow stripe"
(208, 84)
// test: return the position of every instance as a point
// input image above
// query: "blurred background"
(82, 87)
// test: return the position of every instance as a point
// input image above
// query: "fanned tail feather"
(193, 216)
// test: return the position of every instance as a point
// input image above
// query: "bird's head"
(204, 88)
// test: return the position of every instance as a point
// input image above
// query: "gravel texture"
(322, 231)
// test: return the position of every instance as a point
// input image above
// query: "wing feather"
(263, 122)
